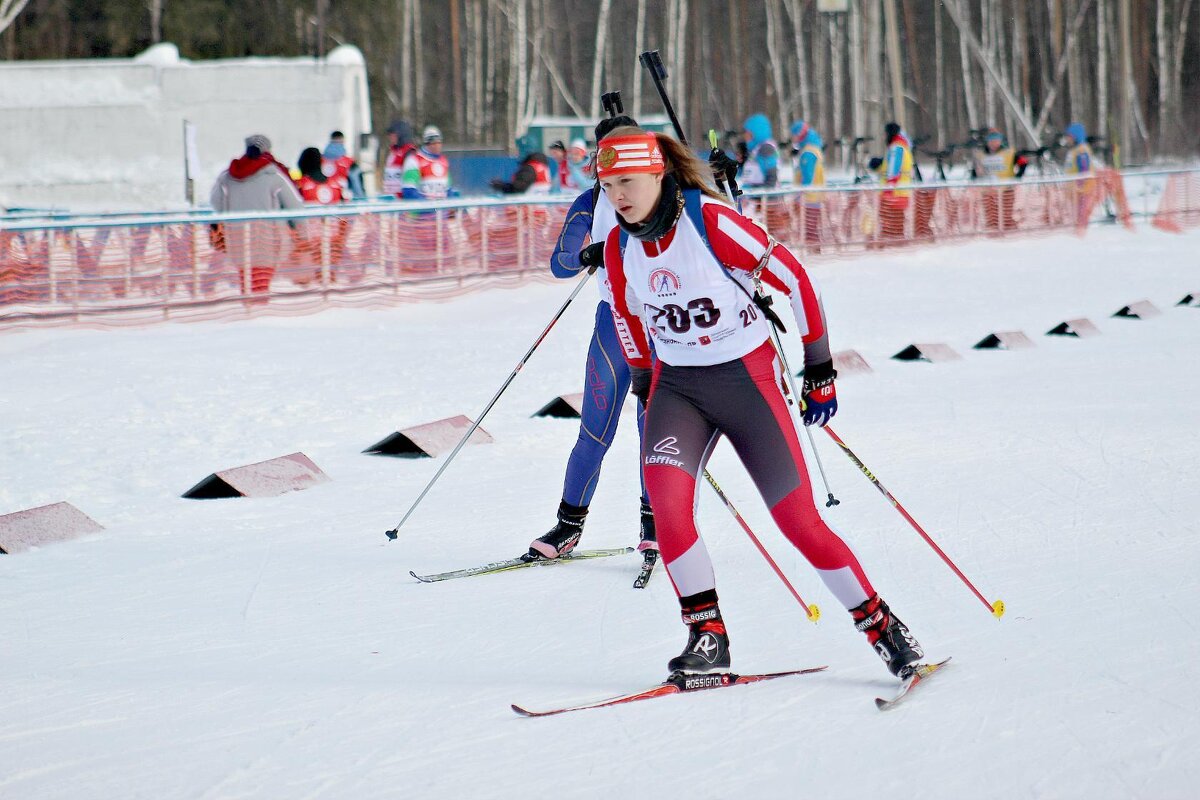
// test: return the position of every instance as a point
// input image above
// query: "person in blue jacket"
(606, 377)
(760, 161)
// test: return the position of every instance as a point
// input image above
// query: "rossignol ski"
(675, 684)
(520, 563)
(920, 675)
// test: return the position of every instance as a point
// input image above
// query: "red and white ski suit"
(716, 373)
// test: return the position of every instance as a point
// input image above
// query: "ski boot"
(648, 539)
(648, 547)
(562, 538)
(707, 648)
(890, 637)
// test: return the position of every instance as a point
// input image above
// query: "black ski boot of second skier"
(648, 539)
(890, 637)
(707, 648)
(562, 538)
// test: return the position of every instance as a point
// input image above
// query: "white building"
(108, 134)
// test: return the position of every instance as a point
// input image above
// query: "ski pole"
(831, 501)
(395, 532)
(997, 607)
(812, 611)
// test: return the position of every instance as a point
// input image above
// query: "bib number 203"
(700, 312)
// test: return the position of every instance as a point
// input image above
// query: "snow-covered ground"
(277, 648)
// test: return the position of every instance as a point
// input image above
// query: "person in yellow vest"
(809, 171)
(997, 159)
(1080, 161)
(896, 171)
(1079, 153)
(998, 162)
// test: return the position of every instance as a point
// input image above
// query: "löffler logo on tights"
(667, 445)
(666, 448)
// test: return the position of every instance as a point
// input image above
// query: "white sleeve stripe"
(744, 239)
(740, 236)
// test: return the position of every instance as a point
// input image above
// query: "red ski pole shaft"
(997, 607)
(812, 612)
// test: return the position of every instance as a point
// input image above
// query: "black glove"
(592, 256)
(723, 167)
(639, 383)
(875, 163)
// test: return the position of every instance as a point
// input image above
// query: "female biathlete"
(606, 379)
(682, 266)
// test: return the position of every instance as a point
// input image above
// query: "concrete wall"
(107, 134)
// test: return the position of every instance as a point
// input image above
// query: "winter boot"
(708, 645)
(889, 636)
(649, 541)
(562, 538)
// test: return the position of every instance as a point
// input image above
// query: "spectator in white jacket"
(255, 182)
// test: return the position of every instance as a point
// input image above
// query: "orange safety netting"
(198, 269)
(834, 222)
(1179, 206)
(134, 271)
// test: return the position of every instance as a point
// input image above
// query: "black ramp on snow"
(565, 406)
(428, 440)
(1142, 309)
(932, 352)
(1004, 340)
(1079, 328)
(269, 478)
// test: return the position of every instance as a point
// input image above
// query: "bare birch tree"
(800, 92)
(8, 12)
(598, 59)
(964, 56)
(775, 60)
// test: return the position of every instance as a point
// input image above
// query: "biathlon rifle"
(724, 168)
(653, 63)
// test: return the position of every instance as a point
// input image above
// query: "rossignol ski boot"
(890, 637)
(707, 648)
(562, 538)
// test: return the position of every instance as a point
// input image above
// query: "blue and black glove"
(819, 395)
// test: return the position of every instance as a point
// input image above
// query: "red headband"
(622, 155)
